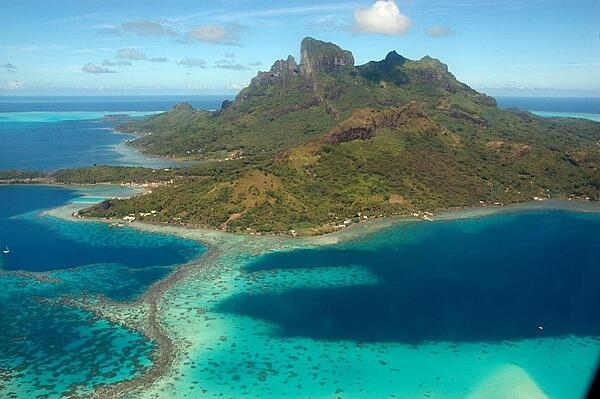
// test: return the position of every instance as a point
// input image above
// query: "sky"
(502, 47)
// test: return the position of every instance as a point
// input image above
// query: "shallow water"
(33, 117)
(46, 346)
(51, 349)
(445, 309)
(556, 107)
(578, 115)
(588, 105)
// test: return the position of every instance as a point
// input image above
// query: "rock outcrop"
(484, 99)
(316, 56)
(363, 123)
(393, 58)
(280, 73)
(431, 70)
(323, 56)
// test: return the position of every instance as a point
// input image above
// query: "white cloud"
(36, 49)
(229, 62)
(144, 27)
(382, 17)
(115, 63)
(9, 67)
(439, 31)
(215, 33)
(294, 10)
(237, 86)
(193, 62)
(95, 69)
(15, 84)
(222, 64)
(131, 54)
(135, 55)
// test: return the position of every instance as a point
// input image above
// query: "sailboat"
(6, 250)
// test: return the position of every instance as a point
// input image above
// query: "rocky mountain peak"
(183, 108)
(431, 69)
(318, 55)
(279, 73)
(394, 58)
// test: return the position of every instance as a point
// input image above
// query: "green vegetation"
(307, 147)
(112, 174)
(18, 175)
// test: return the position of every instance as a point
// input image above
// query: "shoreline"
(151, 317)
(167, 350)
(228, 243)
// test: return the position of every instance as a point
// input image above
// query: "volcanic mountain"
(309, 145)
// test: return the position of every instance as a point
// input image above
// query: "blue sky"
(183, 46)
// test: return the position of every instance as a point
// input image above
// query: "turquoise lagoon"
(578, 115)
(501, 306)
(47, 348)
(33, 117)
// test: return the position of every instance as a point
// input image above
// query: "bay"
(51, 133)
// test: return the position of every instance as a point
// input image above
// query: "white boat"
(6, 250)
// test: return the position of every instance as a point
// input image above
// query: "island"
(308, 148)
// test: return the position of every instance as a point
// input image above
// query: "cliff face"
(432, 70)
(278, 74)
(323, 56)
(363, 123)
(316, 56)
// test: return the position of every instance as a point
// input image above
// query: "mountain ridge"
(307, 146)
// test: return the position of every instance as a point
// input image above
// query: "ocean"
(51, 133)
(555, 107)
(503, 304)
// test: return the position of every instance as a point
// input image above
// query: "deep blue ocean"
(110, 104)
(42, 243)
(495, 278)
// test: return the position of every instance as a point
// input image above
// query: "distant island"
(310, 147)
